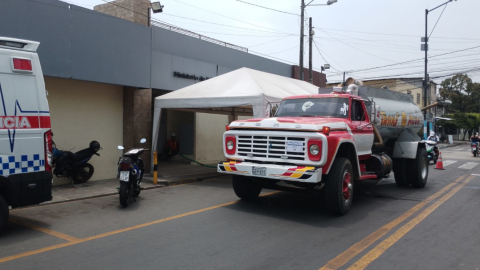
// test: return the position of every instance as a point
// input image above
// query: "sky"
(367, 39)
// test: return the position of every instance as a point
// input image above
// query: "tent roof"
(240, 87)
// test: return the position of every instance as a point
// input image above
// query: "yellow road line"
(29, 253)
(387, 243)
(44, 230)
(354, 250)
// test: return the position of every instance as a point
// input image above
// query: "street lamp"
(156, 7)
(425, 48)
(329, 2)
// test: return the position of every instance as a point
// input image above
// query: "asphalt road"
(203, 226)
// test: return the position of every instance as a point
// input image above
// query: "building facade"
(103, 72)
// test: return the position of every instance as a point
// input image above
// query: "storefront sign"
(188, 76)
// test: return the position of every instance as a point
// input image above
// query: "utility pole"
(301, 40)
(425, 82)
(427, 79)
(310, 34)
(149, 18)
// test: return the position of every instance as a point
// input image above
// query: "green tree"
(469, 122)
(464, 94)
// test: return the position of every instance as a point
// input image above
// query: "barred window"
(418, 98)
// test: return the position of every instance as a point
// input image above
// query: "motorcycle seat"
(83, 155)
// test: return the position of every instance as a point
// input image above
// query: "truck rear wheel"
(418, 169)
(338, 191)
(246, 188)
(3, 212)
(399, 172)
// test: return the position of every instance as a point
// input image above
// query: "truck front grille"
(273, 147)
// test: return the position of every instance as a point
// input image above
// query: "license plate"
(261, 171)
(295, 146)
(473, 148)
(124, 175)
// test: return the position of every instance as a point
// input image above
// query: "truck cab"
(25, 129)
(321, 142)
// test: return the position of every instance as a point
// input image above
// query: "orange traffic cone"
(439, 162)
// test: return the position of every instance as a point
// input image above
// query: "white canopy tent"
(239, 92)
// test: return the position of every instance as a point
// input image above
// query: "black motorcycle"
(474, 146)
(130, 174)
(74, 165)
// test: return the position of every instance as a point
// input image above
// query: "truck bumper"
(272, 171)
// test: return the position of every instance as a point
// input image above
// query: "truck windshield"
(312, 107)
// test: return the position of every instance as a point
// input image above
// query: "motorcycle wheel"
(475, 154)
(123, 194)
(82, 173)
(136, 191)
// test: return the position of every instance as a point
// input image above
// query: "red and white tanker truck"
(325, 143)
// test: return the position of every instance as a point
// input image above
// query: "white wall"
(84, 111)
(209, 137)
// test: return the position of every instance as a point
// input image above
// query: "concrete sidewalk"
(455, 143)
(169, 173)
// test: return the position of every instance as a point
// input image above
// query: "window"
(418, 98)
(357, 111)
(314, 107)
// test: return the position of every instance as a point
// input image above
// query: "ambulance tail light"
(48, 150)
(230, 145)
(22, 64)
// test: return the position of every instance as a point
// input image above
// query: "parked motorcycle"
(432, 150)
(74, 165)
(130, 174)
(474, 149)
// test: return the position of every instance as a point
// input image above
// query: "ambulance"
(25, 129)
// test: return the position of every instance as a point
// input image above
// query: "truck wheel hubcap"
(347, 187)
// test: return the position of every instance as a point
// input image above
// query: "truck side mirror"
(375, 113)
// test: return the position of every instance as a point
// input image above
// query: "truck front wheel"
(339, 187)
(418, 169)
(3, 212)
(246, 188)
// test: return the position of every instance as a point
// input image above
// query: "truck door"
(361, 128)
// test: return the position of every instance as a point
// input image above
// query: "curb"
(161, 184)
(188, 179)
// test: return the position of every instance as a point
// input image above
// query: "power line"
(285, 50)
(276, 58)
(388, 34)
(229, 34)
(214, 23)
(414, 60)
(437, 21)
(436, 64)
(322, 55)
(267, 8)
(358, 49)
(221, 15)
(268, 41)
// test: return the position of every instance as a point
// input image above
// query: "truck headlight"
(230, 145)
(314, 149)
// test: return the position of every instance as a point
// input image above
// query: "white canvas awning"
(238, 89)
